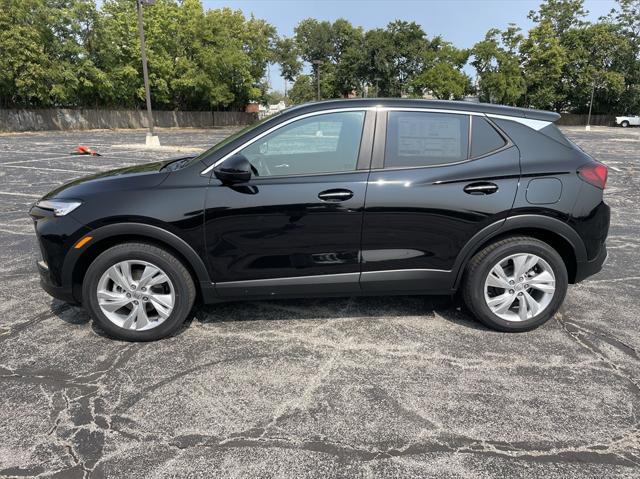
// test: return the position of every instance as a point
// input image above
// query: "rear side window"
(425, 139)
(484, 137)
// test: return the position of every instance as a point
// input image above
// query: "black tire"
(624, 124)
(482, 263)
(180, 277)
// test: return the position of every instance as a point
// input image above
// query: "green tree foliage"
(68, 53)
(303, 90)
(626, 19)
(561, 15)
(441, 74)
(497, 61)
(44, 59)
(563, 58)
(393, 56)
(74, 53)
(544, 59)
(287, 55)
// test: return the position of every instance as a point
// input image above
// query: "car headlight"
(59, 207)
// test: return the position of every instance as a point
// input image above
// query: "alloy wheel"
(136, 295)
(519, 287)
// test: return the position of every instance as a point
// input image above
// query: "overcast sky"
(462, 22)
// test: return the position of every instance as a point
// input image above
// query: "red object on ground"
(84, 150)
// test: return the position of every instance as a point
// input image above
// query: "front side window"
(325, 143)
(425, 139)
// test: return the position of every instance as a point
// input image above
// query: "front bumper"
(589, 268)
(59, 292)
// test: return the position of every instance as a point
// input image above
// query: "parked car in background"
(336, 198)
(625, 121)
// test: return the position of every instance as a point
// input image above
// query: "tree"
(273, 97)
(197, 59)
(444, 81)
(626, 18)
(561, 15)
(44, 59)
(393, 56)
(442, 73)
(347, 54)
(314, 40)
(544, 60)
(599, 60)
(497, 62)
(303, 89)
(286, 53)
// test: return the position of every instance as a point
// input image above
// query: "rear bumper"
(59, 292)
(588, 268)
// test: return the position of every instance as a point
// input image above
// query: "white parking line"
(19, 162)
(2, 230)
(48, 169)
(26, 195)
(32, 153)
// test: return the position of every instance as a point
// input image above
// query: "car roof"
(488, 108)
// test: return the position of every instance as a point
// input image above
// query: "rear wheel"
(515, 284)
(138, 292)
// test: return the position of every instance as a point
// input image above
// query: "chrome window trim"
(280, 125)
(536, 124)
(530, 122)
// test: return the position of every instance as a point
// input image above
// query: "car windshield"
(227, 140)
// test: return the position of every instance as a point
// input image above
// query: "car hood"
(147, 175)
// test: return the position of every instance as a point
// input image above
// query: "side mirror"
(235, 169)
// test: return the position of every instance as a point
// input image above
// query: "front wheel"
(138, 292)
(515, 284)
(624, 124)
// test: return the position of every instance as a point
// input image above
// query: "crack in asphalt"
(85, 416)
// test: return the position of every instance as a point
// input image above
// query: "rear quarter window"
(484, 137)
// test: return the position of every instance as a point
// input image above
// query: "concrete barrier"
(573, 119)
(88, 119)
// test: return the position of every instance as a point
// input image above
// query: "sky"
(461, 22)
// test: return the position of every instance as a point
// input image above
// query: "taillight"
(594, 174)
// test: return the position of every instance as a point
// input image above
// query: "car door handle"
(335, 195)
(481, 188)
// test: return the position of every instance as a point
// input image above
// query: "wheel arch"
(556, 233)
(78, 261)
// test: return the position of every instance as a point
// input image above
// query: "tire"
(624, 124)
(478, 290)
(163, 292)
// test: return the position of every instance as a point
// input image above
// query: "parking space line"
(26, 195)
(47, 169)
(20, 233)
(40, 152)
(19, 162)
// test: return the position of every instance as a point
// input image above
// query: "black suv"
(337, 198)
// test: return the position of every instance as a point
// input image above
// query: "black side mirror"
(235, 169)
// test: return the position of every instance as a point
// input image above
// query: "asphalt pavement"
(350, 387)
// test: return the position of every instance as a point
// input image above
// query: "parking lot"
(351, 387)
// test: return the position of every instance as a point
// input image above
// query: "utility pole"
(152, 139)
(317, 63)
